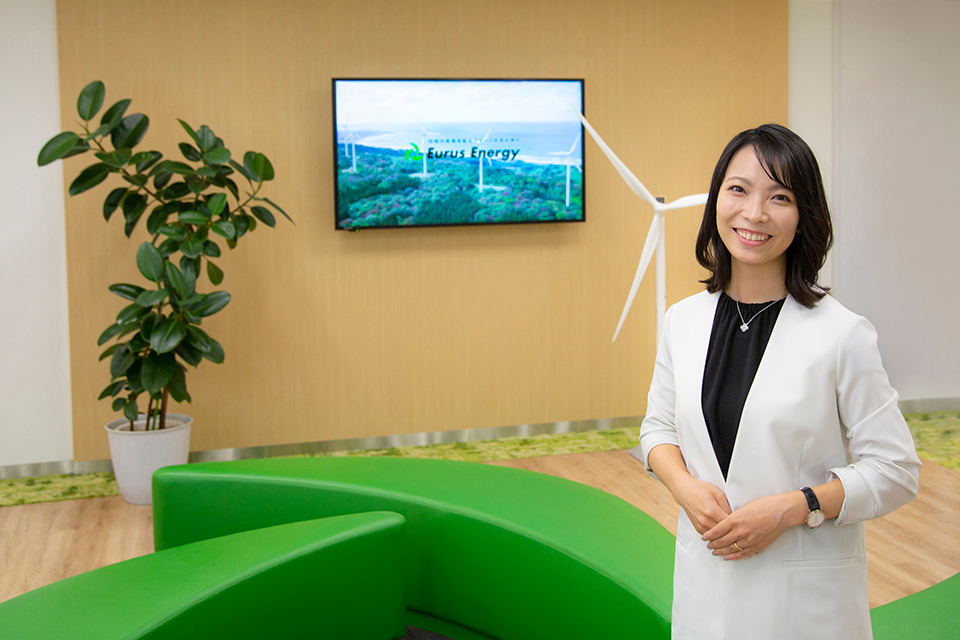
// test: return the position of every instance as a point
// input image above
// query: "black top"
(732, 362)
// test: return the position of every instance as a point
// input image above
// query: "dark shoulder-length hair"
(787, 159)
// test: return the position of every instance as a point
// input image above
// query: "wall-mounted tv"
(416, 152)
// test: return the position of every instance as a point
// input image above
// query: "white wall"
(35, 419)
(810, 85)
(875, 90)
(897, 138)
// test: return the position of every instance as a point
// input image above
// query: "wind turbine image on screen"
(655, 241)
(350, 144)
(423, 151)
(482, 157)
(569, 155)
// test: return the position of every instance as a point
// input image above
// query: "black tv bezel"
(336, 173)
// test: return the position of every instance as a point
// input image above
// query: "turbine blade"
(649, 246)
(632, 181)
(686, 201)
(574, 145)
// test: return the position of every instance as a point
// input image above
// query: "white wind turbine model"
(569, 164)
(655, 236)
(481, 158)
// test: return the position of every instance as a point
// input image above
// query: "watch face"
(815, 519)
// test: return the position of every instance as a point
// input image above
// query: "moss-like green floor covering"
(937, 436)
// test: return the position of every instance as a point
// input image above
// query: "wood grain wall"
(336, 335)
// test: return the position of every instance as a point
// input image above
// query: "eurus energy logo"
(504, 155)
(413, 154)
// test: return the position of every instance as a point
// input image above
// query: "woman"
(770, 412)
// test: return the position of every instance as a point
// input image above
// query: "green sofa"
(491, 552)
(931, 614)
(319, 548)
(338, 577)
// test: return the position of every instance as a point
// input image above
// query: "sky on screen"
(362, 103)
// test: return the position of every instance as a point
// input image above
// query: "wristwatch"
(815, 518)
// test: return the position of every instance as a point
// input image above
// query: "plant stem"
(163, 409)
(123, 169)
(149, 413)
(250, 197)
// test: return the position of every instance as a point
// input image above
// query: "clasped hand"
(750, 529)
(733, 534)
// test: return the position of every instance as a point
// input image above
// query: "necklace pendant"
(744, 327)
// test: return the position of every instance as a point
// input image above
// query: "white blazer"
(820, 407)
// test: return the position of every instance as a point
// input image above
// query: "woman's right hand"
(705, 504)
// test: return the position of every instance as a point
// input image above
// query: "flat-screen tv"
(416, 152)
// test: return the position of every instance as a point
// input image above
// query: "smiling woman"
(770, 412)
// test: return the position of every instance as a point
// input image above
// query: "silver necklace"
(746, 323)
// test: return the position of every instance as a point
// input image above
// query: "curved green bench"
(491, 552)
(931, 614)
(338, 578)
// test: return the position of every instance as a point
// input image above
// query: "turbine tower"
(481, 158)
(568, 155)
(655, 241)
(423, 152)
(350, 145)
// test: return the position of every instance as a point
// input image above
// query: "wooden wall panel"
(336, 335)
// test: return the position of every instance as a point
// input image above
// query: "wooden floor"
(909, 550)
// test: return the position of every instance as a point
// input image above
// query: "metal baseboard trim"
(329, 446)
(32, 470)
(917, 405)
(930, 405)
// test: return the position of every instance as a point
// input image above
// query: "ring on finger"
(737, 545)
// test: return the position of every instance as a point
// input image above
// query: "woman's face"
(757, 217)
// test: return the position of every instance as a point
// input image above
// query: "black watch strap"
(812, 503)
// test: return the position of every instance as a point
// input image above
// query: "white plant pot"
(137, 454)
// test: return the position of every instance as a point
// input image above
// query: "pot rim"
(114, 426)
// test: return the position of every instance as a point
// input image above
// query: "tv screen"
(415, 153)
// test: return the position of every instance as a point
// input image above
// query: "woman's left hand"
(756, 525)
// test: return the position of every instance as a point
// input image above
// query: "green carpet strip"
(937, 436)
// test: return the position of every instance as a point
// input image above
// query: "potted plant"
(189, 208)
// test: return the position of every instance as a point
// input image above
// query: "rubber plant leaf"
(90, 100)
(57, 147)
(150, 262)
(167, 335)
